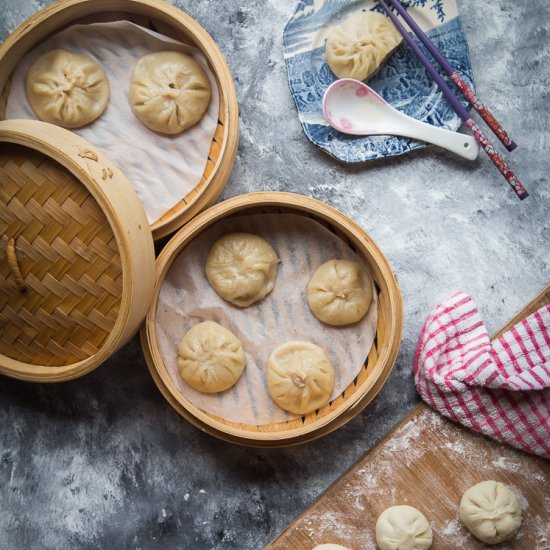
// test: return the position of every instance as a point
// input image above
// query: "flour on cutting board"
(428, 463)
(331, 527)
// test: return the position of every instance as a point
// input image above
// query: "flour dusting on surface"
(428, 463)
(506, 464)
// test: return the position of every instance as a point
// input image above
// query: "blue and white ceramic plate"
(402, 81)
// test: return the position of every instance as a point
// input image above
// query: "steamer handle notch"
(14, 266)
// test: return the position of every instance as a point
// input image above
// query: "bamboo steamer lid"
(77, 263)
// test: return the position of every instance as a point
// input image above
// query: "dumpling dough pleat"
(339, 292)
(360, 45)
(211, 358)
(241, 267)
(67, 89)
(491, 511)
(403, 528)
(300, 377)
(169, 92)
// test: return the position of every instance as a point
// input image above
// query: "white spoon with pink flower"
(354, 108)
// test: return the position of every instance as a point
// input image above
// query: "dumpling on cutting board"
(400, 527)
(491, 511)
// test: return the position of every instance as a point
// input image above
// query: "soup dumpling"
(211, 358)
(491, 511)
(360, 45)
(300, 377)
(169, 91)
(403, 527)
(339, 292)
(66, 88)
(241, 267)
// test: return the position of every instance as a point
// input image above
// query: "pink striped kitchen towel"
(501, 389)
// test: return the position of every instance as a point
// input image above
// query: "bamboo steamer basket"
(169, 21)
(374, 371)
(76, 254)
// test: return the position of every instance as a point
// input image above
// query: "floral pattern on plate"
(402, 81)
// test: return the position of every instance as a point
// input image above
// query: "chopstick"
(455, 77)
(478, 133)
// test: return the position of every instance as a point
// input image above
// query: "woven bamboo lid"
(76, 254)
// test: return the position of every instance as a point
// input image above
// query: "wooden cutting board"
(427, 462)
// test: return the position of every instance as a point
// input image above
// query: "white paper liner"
(186, 298)
(161, 168)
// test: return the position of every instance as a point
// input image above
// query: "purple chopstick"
(480, 136)
(454, 75)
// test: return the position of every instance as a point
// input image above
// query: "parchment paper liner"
(162, 169)
(186, 299)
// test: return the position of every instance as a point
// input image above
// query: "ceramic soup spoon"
(352, 107)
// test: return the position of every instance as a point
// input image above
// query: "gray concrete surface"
(104, 462)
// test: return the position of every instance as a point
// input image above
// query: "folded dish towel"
(499, 388)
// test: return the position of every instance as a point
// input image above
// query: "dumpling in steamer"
(360, 45)
(339, 292)
(241, 267)
(211, 358)
(169, 92)
(66, 88)
(300, 377)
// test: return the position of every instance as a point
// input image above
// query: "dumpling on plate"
(360, 45)
(66, 88)
(169, 91)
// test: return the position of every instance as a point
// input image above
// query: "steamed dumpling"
(300, 377)
(339, 292)
(67, 89)
(241, 267)
(491, 511)
(359, 46)
(403, 527)
(169, 92)
(211, 358)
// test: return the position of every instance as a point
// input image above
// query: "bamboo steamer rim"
(351, 406)
(65, 12)
(127, 221)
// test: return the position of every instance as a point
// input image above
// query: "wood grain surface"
(427, 462)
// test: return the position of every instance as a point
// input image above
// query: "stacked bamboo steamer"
(77, 271)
